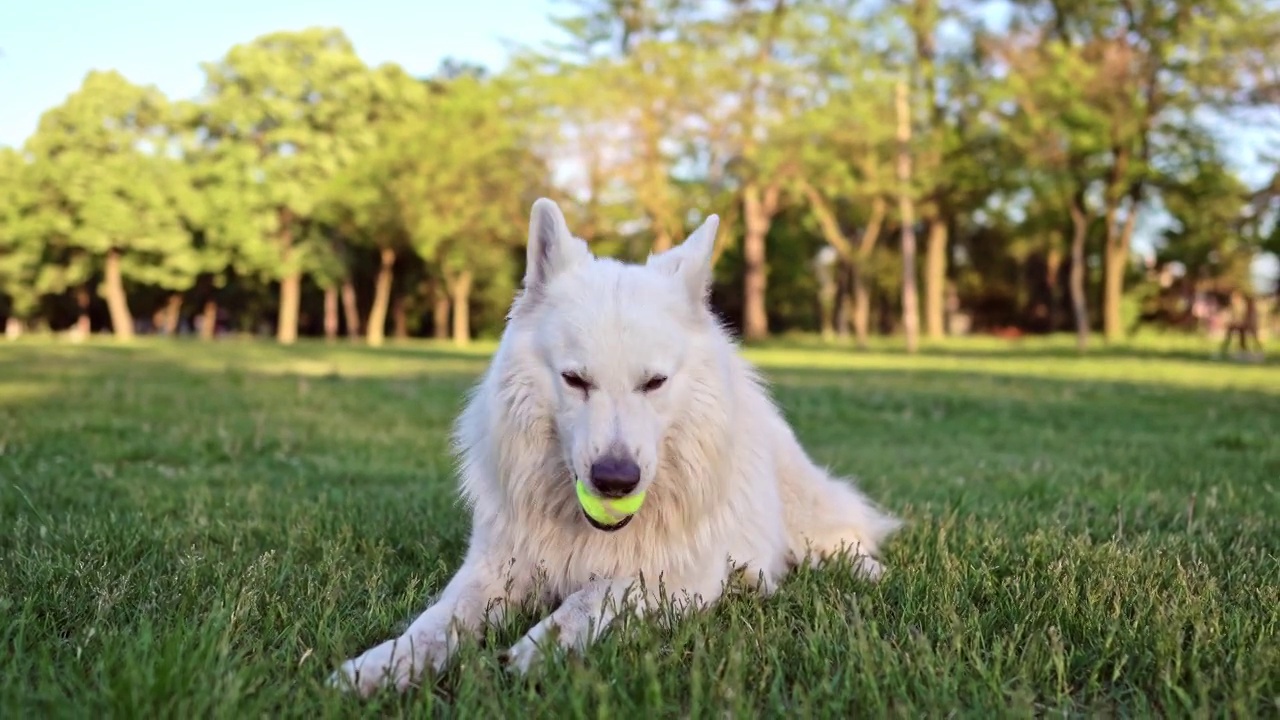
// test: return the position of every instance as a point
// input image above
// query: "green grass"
(208, 530)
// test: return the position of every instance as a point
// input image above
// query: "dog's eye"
(575, 381)
(653, 383)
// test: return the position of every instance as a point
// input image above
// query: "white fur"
(729, 487)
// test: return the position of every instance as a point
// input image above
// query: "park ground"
(207, 530)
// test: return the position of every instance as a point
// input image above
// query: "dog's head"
(620, 344)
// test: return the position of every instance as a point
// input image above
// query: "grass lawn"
(207, 530)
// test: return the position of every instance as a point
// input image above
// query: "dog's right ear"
(552, 248)
(690, 261)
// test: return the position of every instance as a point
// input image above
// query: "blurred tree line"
(879, 167)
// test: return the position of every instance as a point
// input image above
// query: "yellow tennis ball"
(608, 512)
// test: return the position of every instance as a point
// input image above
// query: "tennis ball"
(608, 512)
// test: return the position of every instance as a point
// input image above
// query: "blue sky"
(47, 46)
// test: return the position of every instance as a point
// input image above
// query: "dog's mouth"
(607, 528)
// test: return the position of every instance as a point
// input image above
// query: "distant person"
(1242, 319)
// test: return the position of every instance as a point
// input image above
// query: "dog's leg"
(580, 619)
(585, 615)
(841, 548)
(826, 516)
(846, 528)
(479, 593)
(834, 520)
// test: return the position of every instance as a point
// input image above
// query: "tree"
(231, 231)
(1212, 236)
(1031, 151)
(744, 56)
(21, 253)
(630, 55)
(906, 215)
(359, 203)
(1156, 65)
(465, 196)
(928, 151)
(846, 152)
(1056, 141)
(110, 200)
(295, 105)
(1264, 215)
(572, 113)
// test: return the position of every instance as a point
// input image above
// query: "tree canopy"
(1025, 144)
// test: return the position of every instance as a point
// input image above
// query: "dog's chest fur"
(550, 546)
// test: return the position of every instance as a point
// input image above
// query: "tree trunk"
(861, 311)
(440, 317)
(117, 303)
(828, 295)
(1115, 263)
(833, 291)
(861, 285)
(349, 309)
(290, 284)
(758, 203)
(827, 315)
(1075, 283)
(653, 188)
(439, 310)
(83, 327)
(844, 298)
(1052, 265)
(1113, 275)
(330, 314)
(910, 302)
(377, 327)
(290, 300)
(925, 22)
(460, 299)
(935, 280)
(399, 317)
(172, 314)
(1112, 292)
(209, 320)
(759, 207)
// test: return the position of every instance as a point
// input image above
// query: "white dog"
(620, 374)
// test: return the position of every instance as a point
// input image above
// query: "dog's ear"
(690, 261)
(552, 248)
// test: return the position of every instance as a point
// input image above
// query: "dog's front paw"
(526, 654)
(868, 568)
(522, 656)
(396, 664)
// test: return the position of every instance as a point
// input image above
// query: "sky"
(47, 47)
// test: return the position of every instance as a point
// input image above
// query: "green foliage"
(21, 250)
(1208, 205)
(299, 165)
(104, 182)
(292, 110)
(359, 203)
(467, 193)
(231, 231)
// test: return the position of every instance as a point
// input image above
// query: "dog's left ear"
(552, 249)
(690, 261)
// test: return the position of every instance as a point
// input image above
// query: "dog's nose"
(614, 477)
